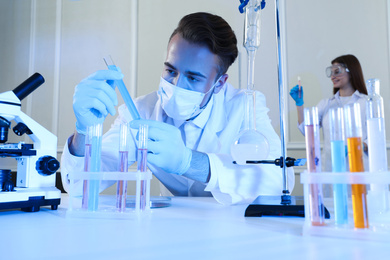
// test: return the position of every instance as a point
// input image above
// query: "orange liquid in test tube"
(359, 201)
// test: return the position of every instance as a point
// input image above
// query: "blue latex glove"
(166, 148)
(94, 98)
(294, 93)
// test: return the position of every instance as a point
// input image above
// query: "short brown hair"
(212, 31)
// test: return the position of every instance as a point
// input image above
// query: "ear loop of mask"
(211, 89)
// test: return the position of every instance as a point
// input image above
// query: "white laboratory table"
(191, 228)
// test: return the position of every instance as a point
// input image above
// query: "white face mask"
(179, 103)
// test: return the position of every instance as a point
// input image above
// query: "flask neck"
(250, 110)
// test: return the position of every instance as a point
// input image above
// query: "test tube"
(92, 158)
(142, 162)
(378, 198)
(121, 191)
(337, 144)
(299, 88)
(353, 127)
(123, 90)
(313, 154)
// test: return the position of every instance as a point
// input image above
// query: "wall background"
(66, 41)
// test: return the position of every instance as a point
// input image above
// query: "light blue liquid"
(340, 194)
(125, 95)
(93, 195)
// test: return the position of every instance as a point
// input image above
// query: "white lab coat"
(323, 108)
(229, 183)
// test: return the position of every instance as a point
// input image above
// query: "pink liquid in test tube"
(142, 161)
(121, 191)
(142, 154)
(87, 162)
(313, 154)
(299, 88)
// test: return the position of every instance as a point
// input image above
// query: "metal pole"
(282, 109)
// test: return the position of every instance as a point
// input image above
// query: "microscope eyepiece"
(28, 86)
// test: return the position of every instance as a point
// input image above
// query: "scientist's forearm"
(200, 167)
(77, 144)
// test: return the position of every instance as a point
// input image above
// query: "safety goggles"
(335, 70)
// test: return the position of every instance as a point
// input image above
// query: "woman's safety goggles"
(335, 70)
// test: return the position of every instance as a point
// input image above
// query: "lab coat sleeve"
(237, 184)
(70, 163)
(109, 158)
(232, 184)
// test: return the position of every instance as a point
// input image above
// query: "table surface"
(191, 228)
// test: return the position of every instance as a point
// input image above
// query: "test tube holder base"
(272, 206)
(107, 203)
(379, 221)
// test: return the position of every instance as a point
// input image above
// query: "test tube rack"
(107, 203)
(379, 221)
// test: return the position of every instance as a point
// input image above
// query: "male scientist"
(193, 119)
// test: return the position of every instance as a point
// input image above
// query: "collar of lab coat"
(212, 120)
(209, 142)
(356, 95)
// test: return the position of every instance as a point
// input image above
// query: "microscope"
(36, 162)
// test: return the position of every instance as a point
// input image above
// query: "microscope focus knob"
(47, 165)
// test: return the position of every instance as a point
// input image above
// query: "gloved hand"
(294, 93)
(94, 98)
(166, 148)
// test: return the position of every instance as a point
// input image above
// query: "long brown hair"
(355, 72)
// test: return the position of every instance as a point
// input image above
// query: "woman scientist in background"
(348, 87)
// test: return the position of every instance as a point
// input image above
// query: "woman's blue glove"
(166, 148)
(294, 93)
(94, 98)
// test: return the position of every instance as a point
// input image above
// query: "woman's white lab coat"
(229, 183)
(323, 116)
